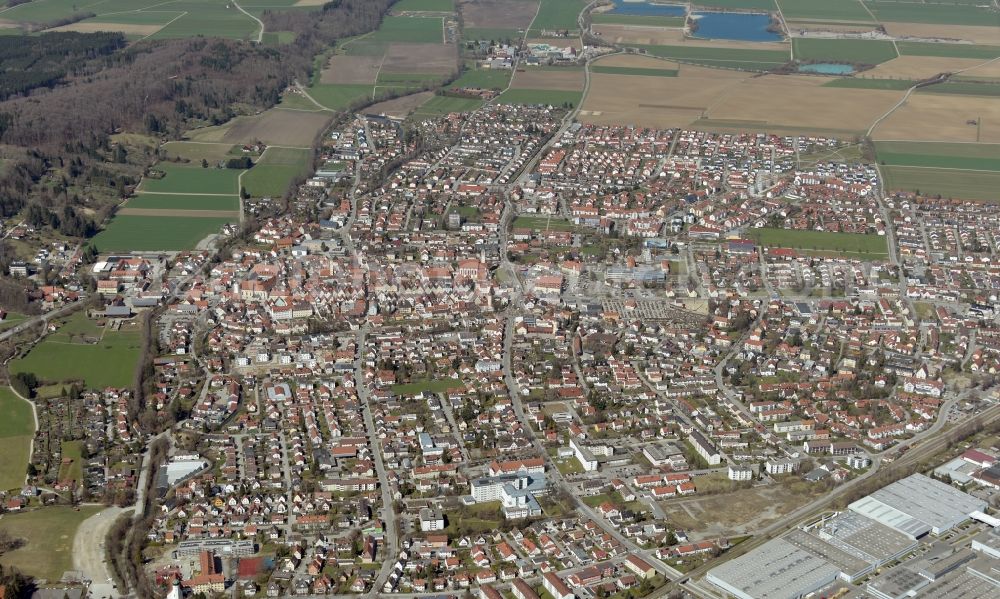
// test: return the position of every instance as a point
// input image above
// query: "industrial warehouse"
(849, 547)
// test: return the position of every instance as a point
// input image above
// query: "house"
(639, 566)
(556, 587)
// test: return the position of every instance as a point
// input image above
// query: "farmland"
(275, 171)
(928, 12)
(637, 71)
(439, 105)
(851, 245)
(831, 10)
(162, 233)
(166, 201)
(646, 20)
(964, 184)
(861, 83)
(276, 126)
(956, 118)
(192, 179)
(761, 59)
(984, 157)
(483, 78)
(17, 428)
(551, 97)
(965, 88)
(948, 50)
(424, 5)
(852, 51)
(409, 29)
(105, 362)
(49, 534)
(558, 15)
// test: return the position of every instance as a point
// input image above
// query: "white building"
(584, 455)
(740, 473)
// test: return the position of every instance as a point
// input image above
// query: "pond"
(827, 68)
(740, 26)
(642, 7)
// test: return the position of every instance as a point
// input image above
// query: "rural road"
(260, 34)
(88, 552)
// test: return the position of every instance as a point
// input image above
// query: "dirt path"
(260, 34)
(88, 551)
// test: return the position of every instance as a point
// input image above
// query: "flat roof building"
(776, 569)
(917, 505)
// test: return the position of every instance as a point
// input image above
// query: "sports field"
(110, 362)
(17, 429)
(849, 245)
(161, 233)
(49, 533)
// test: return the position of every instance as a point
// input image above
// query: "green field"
(827, 10)
(964, 184)
(49, 533)
(193, 179)
(108, 363)
(859, 83)
(196, 152)
(558, 15)
(644, 20)
(638, 71)
(341, 95)
(541, 96)
(277, 38)
(494, 34)
(483, 79)
(720, 55)
(948, 50)
(850, 245)
(439, 105)
(428, 385)
(17, 429)
(407, 79)
(156, 201)
(73, 470)
(275, 171)
(11, 320)
(964, 88)
(409, 29)
(160, 233)
(937, 12)
(739, 4)
(982, 157)
(542, 223)
(853, 51)
(424, 5)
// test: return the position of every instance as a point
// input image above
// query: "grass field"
(542, 223)
(937, 12)
(149, 201)
(275, 171)
(196, 152)
(720, 56)
(439, 105)
(193, 179)
(558, 15)
(857, 83)
(150, 234)
(48, 532)
(854, 51)
(424, 5)
(827, 10)
(551, 97)
(644, 20)
(409, 29)
(484, 79)
(73, 468)
(964, 184)
(741, 4)
(108, 363)
(964, 88)
(17, 430)
(983, 157)
(851, 245)
(640, 71)
(497, 34)
(340, 95)
(948, 50)
(426, 386)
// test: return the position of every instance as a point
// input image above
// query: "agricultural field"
(850, 51)
(863, 83)
(724, 57)
(977, 34)
(634, 71)
(49, 533)
(955, 117)
(917, 68)
(417, 30)
(401, 107)
(275, 170)
(638, 35)
(738, 4)
(160, 233)
(984, 157)
(948, 183)
(424, 6)
(949, 50)
(550, 97)
(276, 126)
(107, 361)
(509, 15)
(17, 430)
(559, 78)
(438, 105)
(849, 245)
(484, 79)
(196, 152)
(181, 179)
(937, 13)
(167, 201)
(825, 10)
(645, 20)
(964, 88)
(558, 15)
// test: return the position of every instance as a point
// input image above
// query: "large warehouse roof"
(776, 569)
(917, 505)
